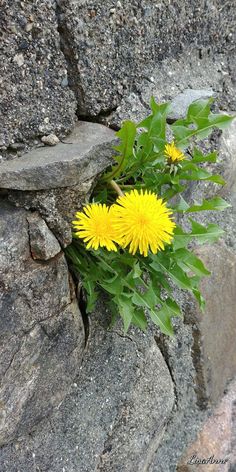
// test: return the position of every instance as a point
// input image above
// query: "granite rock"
(214, 351)
(115, 415)
(34, 100)
(85, 153)
(50, 139)
(205, 76)
(43, 244)
(132, 38)
(216, 440)
(42, 333)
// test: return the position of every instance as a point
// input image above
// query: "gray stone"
(50, 140)
(43, 244)
(85, 153)
(227, 161)
(171, 78)
(214, 351)
(41, 330)
(180, 104)
(115, 415)
(33, 101)
(132, 42)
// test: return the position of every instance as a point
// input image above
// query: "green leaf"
(173, 270)
(201, 174)
(92, 295)
(162, 319)
(199, 157)
(199, 122)
(216, 203)
(173, 307)
(126, 310)
(203, 234)
(139, 319)
(192, 261)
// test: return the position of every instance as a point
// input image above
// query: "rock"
(43, 244)
(32, 67)
(214, 351)
(186, 418)
(41, 330)
(216, 440)
(170, 79)
(115, 415)
(50, 140)
(180, 104)
(227, 161)
(85, 153)
(100, 77)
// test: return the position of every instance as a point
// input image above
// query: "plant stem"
(116, 187)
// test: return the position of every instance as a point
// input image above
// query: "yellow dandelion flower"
(142, 222)
(174, 154)
(95, 226)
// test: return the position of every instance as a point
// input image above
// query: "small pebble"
(51, 140)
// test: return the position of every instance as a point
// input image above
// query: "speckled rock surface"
(43, 244)
(115, 415)
(41, 330)
(132, 38)
(65, 173)
(85, 153)
(35, 98)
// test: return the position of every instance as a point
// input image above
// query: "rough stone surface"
(214, 351)
(43, 244)
(191, 70)
(81, 157)
(50, 140)
(194, 373)
(133, 39)
(181, 102)
(216, 440)
(35, 100)
(41, 330)
(115, 416)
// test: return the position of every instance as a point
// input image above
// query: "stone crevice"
(160, 341)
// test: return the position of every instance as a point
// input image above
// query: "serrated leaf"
(199, 122)
(139, 319)
(216, 203)
(192, 261)
(203, 234)
(173, 307)
(199, 157)
(162, 319)
(92, 295)
(201, 174)
(174, 271)
(126, 310)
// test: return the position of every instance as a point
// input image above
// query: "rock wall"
(73, 395)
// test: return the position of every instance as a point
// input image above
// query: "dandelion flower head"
(143, 222)
(174, 154)
(95, 226)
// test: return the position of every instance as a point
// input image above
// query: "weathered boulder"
(76, 57)
(216, 442)
(57, 180)
(132, 38)
(43, 244)
(36, 99)
(214, 351)
(41, 329)
(179, 80)
(84, 154)
(115, 415)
